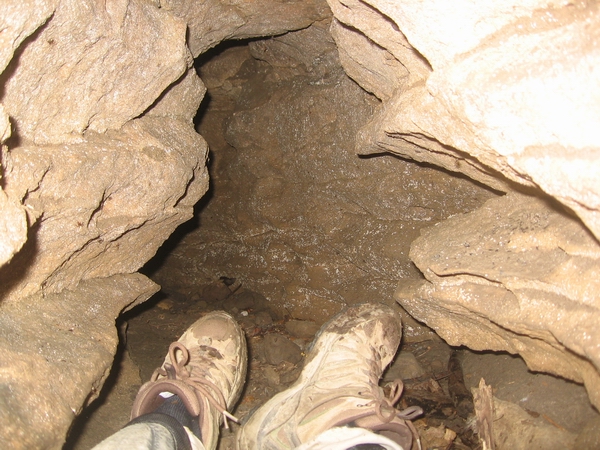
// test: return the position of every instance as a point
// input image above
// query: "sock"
(174, 407)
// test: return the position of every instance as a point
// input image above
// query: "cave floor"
(431, 370)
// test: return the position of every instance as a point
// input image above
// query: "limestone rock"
(18, 19)
(213, 21)
(373, 50)
(57, 351)
(516, 275)
(13, 227)
(102, 206)
(515, 429)
(94, 68)
(181, 100)
(482, 111)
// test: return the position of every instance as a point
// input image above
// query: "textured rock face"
(296, 215)
(57, 351)
(213, 21)
(466, 95)
(504, 92)
(90, 190)
(515, 275)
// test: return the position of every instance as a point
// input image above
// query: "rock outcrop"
(516, 275)
(508, 94)
(500, 91)
(90, 191)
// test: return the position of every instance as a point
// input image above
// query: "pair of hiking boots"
(336, 403)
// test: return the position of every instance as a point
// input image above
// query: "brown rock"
(56, 353)
(19, 20)
(99, 219)
(305, 329)
(13, 227)
(90, 68)
(481, 110)
(515, 275)
(303, 220)
(278, 348)
(212, 21)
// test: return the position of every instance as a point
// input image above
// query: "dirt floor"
(432, 372)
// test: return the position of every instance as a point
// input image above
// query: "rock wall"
(296, 215)
(100, 163)
(508, 94)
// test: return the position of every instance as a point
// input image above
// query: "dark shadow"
(155, 263)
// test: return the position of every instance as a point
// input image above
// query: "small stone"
(215, 292)
(405, 367)
(263, 319)
(278, 348)
(272, 376)
(305, 329)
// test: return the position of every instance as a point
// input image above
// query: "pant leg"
(147, 436)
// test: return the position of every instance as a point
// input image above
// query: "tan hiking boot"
(338, 386)
(206, 369)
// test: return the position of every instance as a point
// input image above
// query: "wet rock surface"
(293, 215)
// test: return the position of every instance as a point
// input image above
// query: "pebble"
(278, 348)
(405, 367)
(305, 329)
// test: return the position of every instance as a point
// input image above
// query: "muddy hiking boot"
(205, 371)
(337, 402)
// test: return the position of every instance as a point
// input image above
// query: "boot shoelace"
(203, 388)
(381, 400)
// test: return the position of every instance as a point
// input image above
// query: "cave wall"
(101, 162)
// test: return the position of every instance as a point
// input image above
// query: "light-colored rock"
(93, 67)
(5, 128)
(559, 401)
(482, 111)
(103, 205)
(516, 275)
(18, 19)
(56, 353)
(13, 227)
(515, 429)
(442, 31)
(181, 100)
(213, 21)
(373, 49)
(372, 66)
